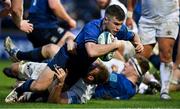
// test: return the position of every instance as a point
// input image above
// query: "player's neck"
(133, 79)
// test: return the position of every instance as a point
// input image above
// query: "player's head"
(138, 64)
(98, 74)
(103, 3)
(114, 18)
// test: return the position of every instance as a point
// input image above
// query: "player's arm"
(139, 48)
(6, 10)
(55, 93)
(130, 8)
(96, 50)
(17, 16)
(58, 9)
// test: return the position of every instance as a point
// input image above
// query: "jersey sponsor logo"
(60, 30)
(54, 39)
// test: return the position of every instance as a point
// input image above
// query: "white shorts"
(149, 30)
(30, 70)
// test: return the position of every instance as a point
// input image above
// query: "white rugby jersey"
(83, 90)
(159, 9)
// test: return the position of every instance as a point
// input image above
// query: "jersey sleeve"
(91, 33)
(124, 34)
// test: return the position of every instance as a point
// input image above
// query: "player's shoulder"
(93, 27)
(95, 22)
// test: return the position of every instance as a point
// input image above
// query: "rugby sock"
(155, 60)
(25, 87)
(33, 55)
(165, 73)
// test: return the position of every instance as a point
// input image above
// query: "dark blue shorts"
(60, 59)
(43, 36)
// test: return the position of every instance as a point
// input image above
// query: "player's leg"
(166, 35)
(37, 54)
(65, 37)
(165, 51)
(49, 51)
(45, 78)
(175, 80)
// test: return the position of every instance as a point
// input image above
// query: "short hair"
(115, 10)
(102, 76)
(143, 63)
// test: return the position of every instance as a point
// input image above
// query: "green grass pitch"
(138, 101)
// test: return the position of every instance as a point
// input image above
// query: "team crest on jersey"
(113, 77)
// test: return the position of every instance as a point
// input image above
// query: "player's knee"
(35, 86)
(50, 50)
(166, 56)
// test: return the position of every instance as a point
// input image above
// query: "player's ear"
(105, 19)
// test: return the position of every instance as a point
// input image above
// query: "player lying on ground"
(123, 87)
(78, 93)
(88, 50)
(48, 51)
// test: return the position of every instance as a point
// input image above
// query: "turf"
(139, 101)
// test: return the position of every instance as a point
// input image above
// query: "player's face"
(103, 3)
(128, 68)
(113, 25)
(94, 71)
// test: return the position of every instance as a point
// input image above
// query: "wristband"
(129, 14)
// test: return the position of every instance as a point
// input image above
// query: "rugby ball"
(106, 38)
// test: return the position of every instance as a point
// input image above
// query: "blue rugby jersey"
(81, 62)
(118, 86)
(41, 16)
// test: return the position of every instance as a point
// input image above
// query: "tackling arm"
(96, 50)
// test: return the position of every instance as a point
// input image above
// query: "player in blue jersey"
(87, 50)
(124, 85)
(45, 15)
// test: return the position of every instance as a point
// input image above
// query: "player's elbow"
(92, 54)
(91, 49)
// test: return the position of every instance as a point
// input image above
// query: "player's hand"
(129, 23)
(139, 47)
(26, 26)
(60, 74)
(71, 46)
(72, 23)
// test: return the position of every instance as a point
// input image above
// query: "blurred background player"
(45, 15)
